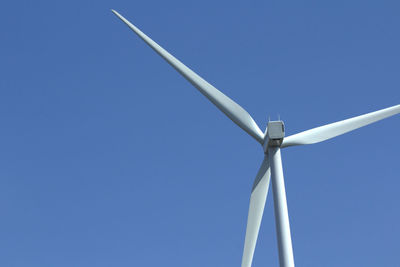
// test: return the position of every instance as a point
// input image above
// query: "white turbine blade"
(235, 112)
(256, 209)
(329, 131)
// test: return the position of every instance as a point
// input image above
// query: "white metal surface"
(256, 210)
(235, 112)
(280, 208)
(329, 131)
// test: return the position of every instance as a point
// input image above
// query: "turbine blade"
(329, 131)
(235, 112)
(256, 209)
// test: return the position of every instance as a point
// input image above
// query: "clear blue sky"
(110, 158)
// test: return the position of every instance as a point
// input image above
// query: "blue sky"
(110, 158)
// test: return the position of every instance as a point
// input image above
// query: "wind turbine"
(272, 140)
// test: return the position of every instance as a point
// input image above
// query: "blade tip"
(115, 12)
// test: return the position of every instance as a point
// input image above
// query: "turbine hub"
(275, 134)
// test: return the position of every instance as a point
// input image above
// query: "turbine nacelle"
(274, 136)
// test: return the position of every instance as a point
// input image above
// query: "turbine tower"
(272, 141)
